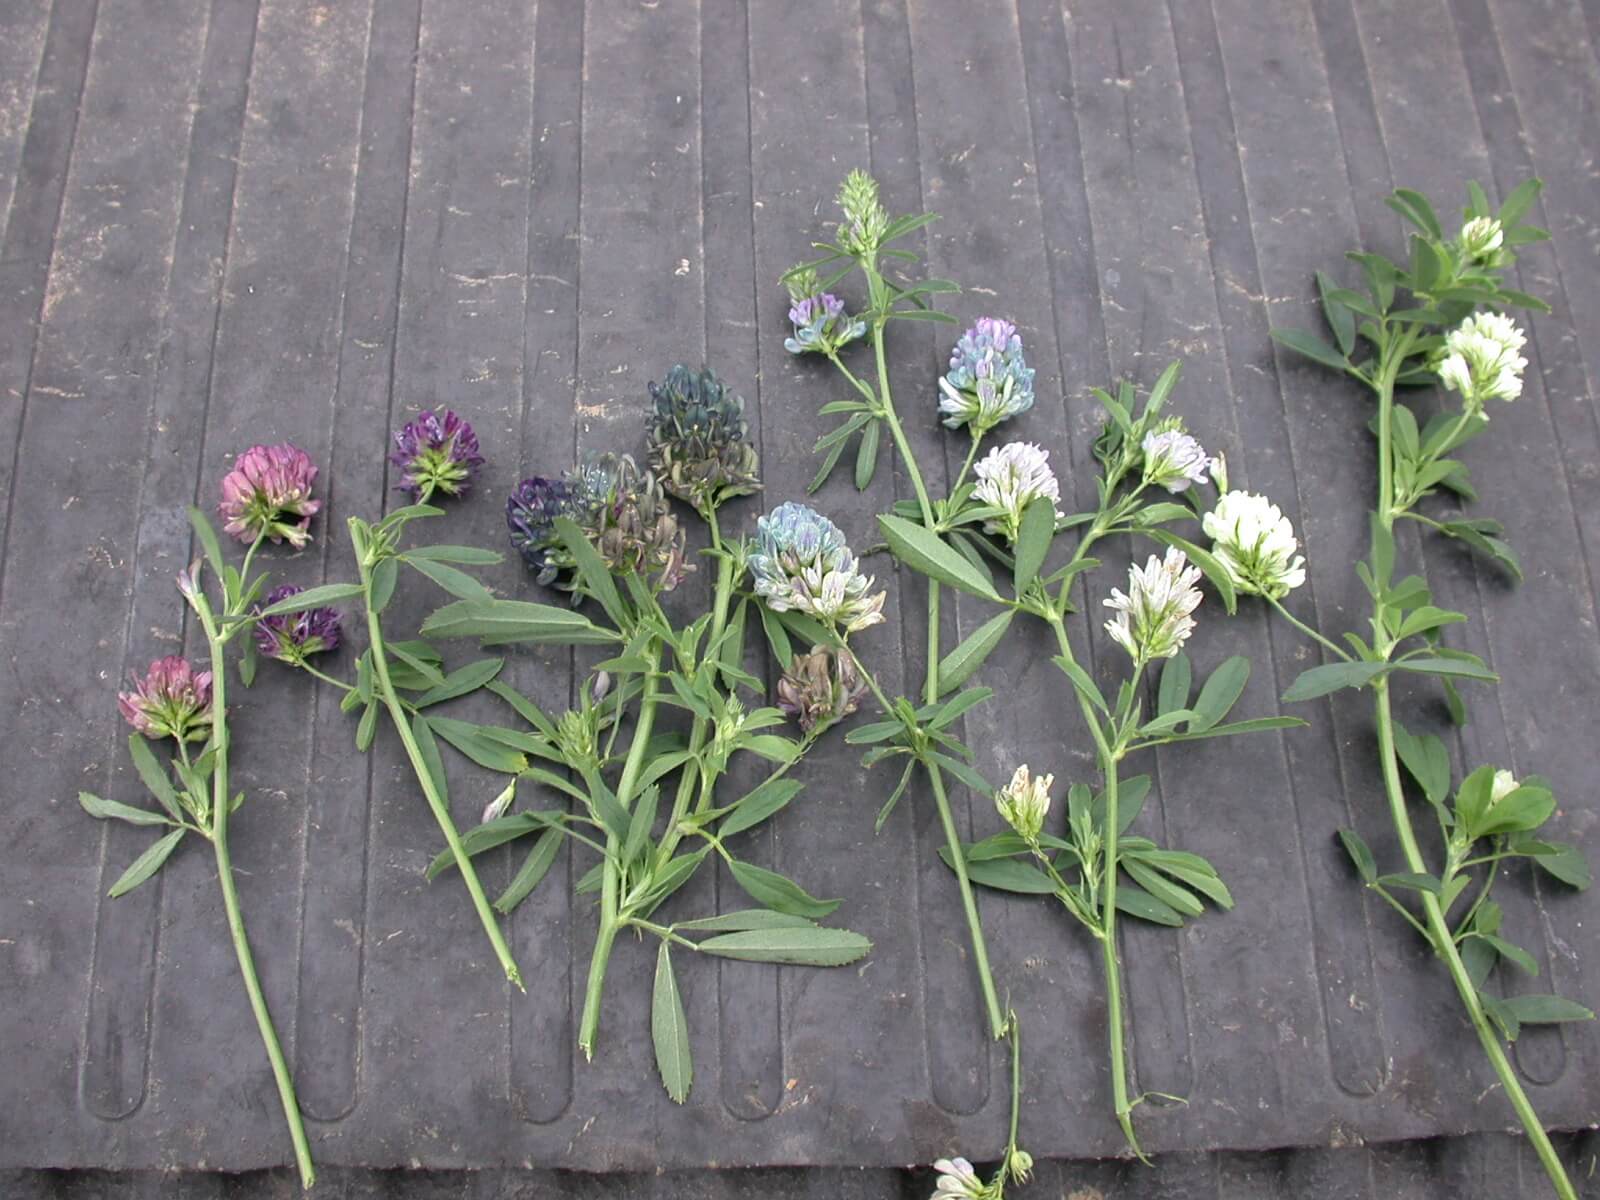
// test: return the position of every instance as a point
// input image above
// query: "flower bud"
(1504, 784)
(958, 1181)
(1173, 459)
(1024, 802)
(1481, 239)
(496, 808)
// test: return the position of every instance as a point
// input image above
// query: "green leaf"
(384, 577)
(317, 597)
(152, 774)
(423, 668)
(953, 709)
(1174, 896)
(101, 810)
(470, 556)
(1565, 863)
(1340, 319)
(1142, 904)
(482, 838)
(1495, 548)
(1360, 855)
(666, 879)
(1234, 728)
(1173, 694)
(1427, 665)
(829, 462)
(669, 1028)
(1509, 951)
(758, 804)
(812, 946)
(867, 455)
(526, 709)
(471, 741)
(1522, 811)
(147, 864)
(1037, 530)
(742, 920)
(533, 870)
(1313, 347)
(1426, 760)
(1220, 692)
(778, 892)
(1081, 681)
(207, 536)
(961, 663)
(1330, 677)
(923, 551)
(1520, 201)
(777, 638)
(1544, 1010)
(505, 621)
(457, 583)
(592, 571)
(771, 747)
(461, 681)
(422, 732)
(1412, 880)
(367, 727)
(1005, 875)
(1414, 206)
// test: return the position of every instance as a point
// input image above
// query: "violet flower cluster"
(294, 637)
(268, 495)
(802, 563)
(172, 700)
(436, 452)
(989, 381)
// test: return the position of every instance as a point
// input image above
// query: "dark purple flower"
(268, 494)
(294, 637)
(531, 512)
(172, 700)
(437, 452)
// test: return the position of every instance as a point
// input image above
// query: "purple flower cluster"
(531, 512)
(268, 495)
(172, 700)
(436, 452)
(294, 637)
(821, 325)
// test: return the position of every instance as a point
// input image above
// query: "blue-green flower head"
(989, 381)
(696, 437)
(803, 563)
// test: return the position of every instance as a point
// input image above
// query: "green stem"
(1439, 931)
(220, 804)
(972, 454)
(1307, 630)
(980, 952)
(419, 767)
(611, 881)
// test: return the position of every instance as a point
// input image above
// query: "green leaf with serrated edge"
(923, 551)
(1167, 722)
(526, 709)
(1495, 548)
(533, 870)
(807, 629)
(1565, 863)
(1330, 677)
(878, 731)
(1234, 728)
(957, 706)
(422, 668)
(1360, 855)
(410, 512)
(669, 1030)
(481, 838)
(1519, 201)
(486, 752)
(829, 462)
(147, 864)
(152, 774)
(1339, 317)
(811, 947)
(961, 663)
(1176, 680)
(778, 892)
(457, 583)
(1005, 875)
(610, 811)
(1136, 902)
(461, 681)
(1037, 530)
(1202, 879)
(1509, 951)
(471, 556)
(1220, 692)
(507, 621)
(1523, 811)
(1426, 665)
(867, 455)
(667, 879)
(1131, 795)
(1310, 345)
(1216, 574)
(770, 747)
(744, 920)
(102, 809)
(759, 804)
(328, 593)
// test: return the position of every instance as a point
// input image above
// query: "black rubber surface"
(304, 221)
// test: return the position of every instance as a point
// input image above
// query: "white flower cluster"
(1173, 459)
(1024, 802)
(1154, 618)
(1481, 360)
(958, 1181)
(1255, 542)
(1010, 478)
(1481, 238)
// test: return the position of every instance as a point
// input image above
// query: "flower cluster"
(1172, 458)
(531, 512)
(958, 1181)
(294, 637)
(820, 688)
(1482, 240)
(1255, 542)
(801, 562)
(268, 495)
(821, 325)
(437, 452)
(1481, 360)
(1010, 478)
(172, 700)
(989, 381)
(696, 439)
(1024, 802)
(622, 510)
(865, 219)
(1154, 618)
